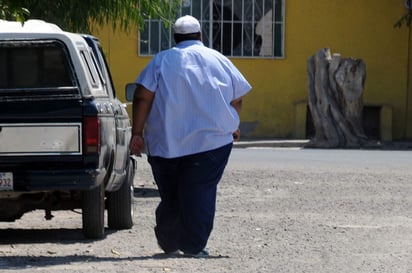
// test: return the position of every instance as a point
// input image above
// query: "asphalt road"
(265, 157)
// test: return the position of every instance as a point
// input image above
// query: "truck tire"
(120, 203)
(93, 213)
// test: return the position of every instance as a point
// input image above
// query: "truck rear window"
(34, 64)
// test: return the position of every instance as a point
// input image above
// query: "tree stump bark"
(335, 88)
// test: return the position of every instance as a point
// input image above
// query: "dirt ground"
(277, 219)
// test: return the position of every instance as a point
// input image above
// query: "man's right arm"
(237, 104)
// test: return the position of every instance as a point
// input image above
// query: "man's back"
(194, 86)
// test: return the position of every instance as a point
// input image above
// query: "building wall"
(358, 29)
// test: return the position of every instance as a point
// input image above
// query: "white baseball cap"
(186, 24)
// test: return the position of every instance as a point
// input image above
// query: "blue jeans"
(187, 187)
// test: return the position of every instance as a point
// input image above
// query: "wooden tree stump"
(335, 88)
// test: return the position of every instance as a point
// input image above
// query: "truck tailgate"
(44, 138)
(41, 127)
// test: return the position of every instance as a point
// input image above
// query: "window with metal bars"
(236, 28)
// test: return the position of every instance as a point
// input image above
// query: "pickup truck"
(64, 135)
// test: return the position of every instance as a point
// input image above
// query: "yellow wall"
(359, 29)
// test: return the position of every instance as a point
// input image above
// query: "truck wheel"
(120, 203)
(93, 213)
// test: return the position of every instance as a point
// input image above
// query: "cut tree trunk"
(335, 88)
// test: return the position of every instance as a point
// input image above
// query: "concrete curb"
(302, 144)
(287, 143)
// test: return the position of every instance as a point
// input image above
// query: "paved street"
(296, 157)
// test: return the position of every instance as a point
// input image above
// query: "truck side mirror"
(130, 89)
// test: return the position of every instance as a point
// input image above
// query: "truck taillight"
(91, 135)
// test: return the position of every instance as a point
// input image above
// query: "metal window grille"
(236, 28)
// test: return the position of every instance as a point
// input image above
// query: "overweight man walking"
(186, 115)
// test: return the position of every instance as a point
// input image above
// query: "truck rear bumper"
(57, 180)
